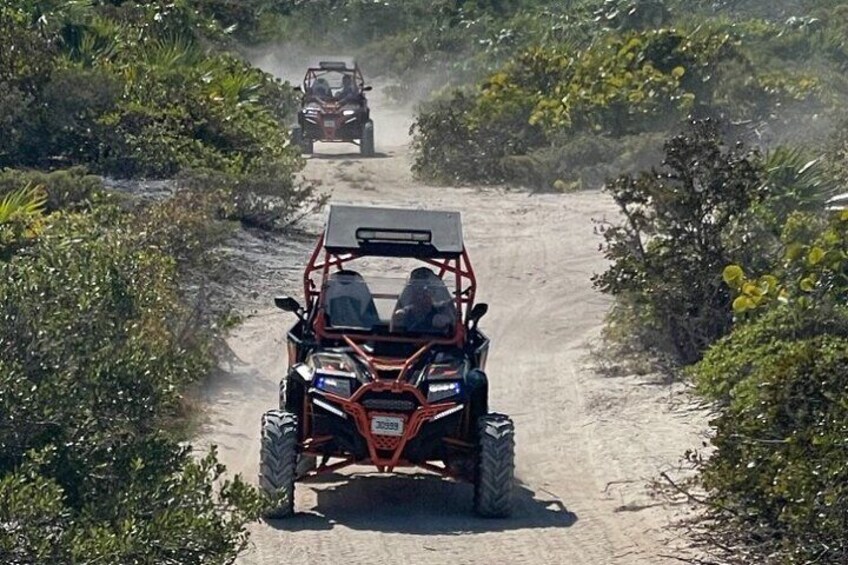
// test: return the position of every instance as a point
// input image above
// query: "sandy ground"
(587, 444)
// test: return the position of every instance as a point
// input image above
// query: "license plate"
(329, 123)
(386, 426)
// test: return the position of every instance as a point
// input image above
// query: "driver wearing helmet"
(321, 89)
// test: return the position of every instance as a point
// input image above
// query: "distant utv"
(334, 108)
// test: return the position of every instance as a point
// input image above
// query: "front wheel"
(278, 461)
(298, 139)
(366, 144)
(495, 474)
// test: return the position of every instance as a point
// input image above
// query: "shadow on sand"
(418, 504)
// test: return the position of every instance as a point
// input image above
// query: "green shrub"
(268, 198)
(778, 482)
(65, 189)
(584, 161)
(134, 91)
(447, 148)
(95, 350)
(620, 85)
(668, 254)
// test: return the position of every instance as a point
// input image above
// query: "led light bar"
(333, 65)
(329, 408)
(447, 412)
(394, 236)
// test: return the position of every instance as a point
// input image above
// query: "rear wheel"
(366, 144)
(278, 461)
(493, 483)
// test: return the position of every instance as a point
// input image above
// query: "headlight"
(334, 385)
(441, 391)
(349, 112)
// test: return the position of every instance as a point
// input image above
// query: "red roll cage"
(326, 67)
(458, 266)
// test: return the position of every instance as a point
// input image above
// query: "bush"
(446, 147)
(95, 349)
(68, 189)
(135, 91)
(583, 161)
(199, 114)
(268, 198)
(778, 482)
(623, 84)
(668, 254)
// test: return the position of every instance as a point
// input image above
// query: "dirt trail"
(586, 444)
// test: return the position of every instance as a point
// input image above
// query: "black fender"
(297, 384)
(477, 387)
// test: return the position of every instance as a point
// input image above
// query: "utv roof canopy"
(393, 232)
(337, 65)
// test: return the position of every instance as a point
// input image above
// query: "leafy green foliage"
(813, 270)
(451, 149)
(20, 215)
(796, 183)
(96, 349)
(777, 479)
(667, 256)
(26, 202)
(133, 91)
(266, 199)
(624, 84)
(67, 189)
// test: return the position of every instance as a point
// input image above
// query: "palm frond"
(233, 86)
(798, 180)
(171, 53)
(26, 202)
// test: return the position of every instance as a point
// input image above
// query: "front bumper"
(332, 127)
(343, 427)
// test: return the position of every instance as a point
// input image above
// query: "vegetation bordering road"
(100, 332)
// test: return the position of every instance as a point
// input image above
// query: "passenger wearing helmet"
(425, 305)
(349, 92)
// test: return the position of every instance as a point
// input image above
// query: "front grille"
(389, 401)
(386, 443)
(393, 404)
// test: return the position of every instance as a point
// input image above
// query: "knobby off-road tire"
(297, 137)
(495, 474)
(278, 461)
(305, 463)
(366, 144)
(298, 140)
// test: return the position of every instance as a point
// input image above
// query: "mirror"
(367, 88)
(478, 311)
(287, 304)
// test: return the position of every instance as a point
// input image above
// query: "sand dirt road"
(586, 443)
